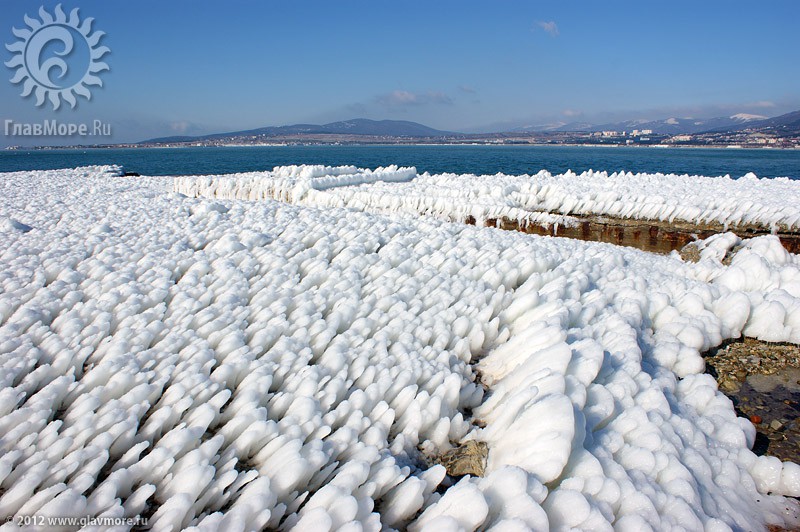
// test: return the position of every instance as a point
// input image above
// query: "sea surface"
(475, 159)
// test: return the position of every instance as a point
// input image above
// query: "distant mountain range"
(667, 126)
(357, 126)
(788, 124)
(785, 125)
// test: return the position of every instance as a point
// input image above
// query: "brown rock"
(467, 459)
(690, 252)
(729, 385)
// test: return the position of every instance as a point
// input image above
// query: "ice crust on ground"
(538, 199)
(232, 365)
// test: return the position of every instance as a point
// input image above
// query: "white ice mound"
(231, 365)
(9, 225)
(287, 183)
(762, 270)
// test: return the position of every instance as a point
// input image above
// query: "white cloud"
(439, 98)
(184, 127)
(400, 98)
(763, 104)
(571, 113)
(179, 127)
(549, 26)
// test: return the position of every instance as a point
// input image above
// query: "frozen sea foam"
(218, 364)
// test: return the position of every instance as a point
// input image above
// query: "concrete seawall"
(648, 235)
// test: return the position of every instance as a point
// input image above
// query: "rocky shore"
(763, 381)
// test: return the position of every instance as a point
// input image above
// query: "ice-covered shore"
(234, 365)
(542, 199)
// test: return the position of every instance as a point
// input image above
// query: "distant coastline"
(726, 132)
(400, 144)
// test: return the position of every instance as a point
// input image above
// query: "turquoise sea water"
(434, 159)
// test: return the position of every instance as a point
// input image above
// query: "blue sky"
(202, 66)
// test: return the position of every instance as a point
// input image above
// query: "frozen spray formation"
(542, 198)
(231, 365)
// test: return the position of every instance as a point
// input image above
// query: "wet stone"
(761, 379)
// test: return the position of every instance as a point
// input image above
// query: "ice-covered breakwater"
(231, 365)
(355, 188)
(542, 198)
